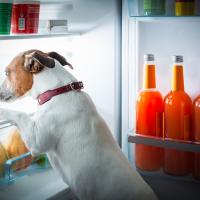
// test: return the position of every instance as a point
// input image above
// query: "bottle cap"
(148, 57)
(177, 59)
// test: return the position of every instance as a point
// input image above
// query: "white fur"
(78, 142)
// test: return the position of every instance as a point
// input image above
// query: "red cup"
(25, 17)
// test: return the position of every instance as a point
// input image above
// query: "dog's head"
(20, 72)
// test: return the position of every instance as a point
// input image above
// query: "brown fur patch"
(18, 78)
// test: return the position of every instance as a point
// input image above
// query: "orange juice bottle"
(177, 122)
(196, 132)
(149, 115)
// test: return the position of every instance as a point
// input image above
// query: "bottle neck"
(149, 76)
(177, 77)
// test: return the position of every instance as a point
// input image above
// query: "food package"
(15, 147)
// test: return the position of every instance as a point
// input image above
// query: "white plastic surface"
(36, 186)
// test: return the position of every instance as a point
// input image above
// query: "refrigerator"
(88, 34)
(162, 35)
(105, 41)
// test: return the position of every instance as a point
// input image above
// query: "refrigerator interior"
(92, 46)
(163, 36)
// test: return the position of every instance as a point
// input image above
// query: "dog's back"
(89, 159)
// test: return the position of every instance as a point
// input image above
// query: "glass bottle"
(149, 119)
(177, 122)
(184, 7)
(154, 7)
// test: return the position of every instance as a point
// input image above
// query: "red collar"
(46, 96)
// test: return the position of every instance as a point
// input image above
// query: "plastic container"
(25, 17)
(15, 160)
(10, 175)
(184, 7)
(177, 122)
(5, 16)
(154, 7)
(149, 119)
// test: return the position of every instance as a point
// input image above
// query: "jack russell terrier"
(69, 129)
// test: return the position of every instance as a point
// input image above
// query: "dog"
(68, 128)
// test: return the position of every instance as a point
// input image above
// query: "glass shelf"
(35, 36)
(189, 146)
(55, 1)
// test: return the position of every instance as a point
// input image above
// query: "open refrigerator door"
(157, 27)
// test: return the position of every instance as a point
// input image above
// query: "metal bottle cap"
(148, 57)
(177, 59)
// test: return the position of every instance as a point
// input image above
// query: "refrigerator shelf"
(38, 164)
(189, 146)
(55, 2)
(37, 36)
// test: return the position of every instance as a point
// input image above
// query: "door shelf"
(160, 181)
(136, 11)
(166, 18)
(10, 175)
(189, 146)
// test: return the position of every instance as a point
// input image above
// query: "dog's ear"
(59, 58)
(35, 61)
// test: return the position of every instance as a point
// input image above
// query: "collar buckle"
(72, 86)
(76, 86)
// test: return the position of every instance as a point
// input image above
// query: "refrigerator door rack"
(163, 178)
(166, 143)
(157, 34)
(160, 9)
(189, 146)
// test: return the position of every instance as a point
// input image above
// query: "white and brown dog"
(69, 129)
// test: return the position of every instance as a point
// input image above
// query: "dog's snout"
(6, 93)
